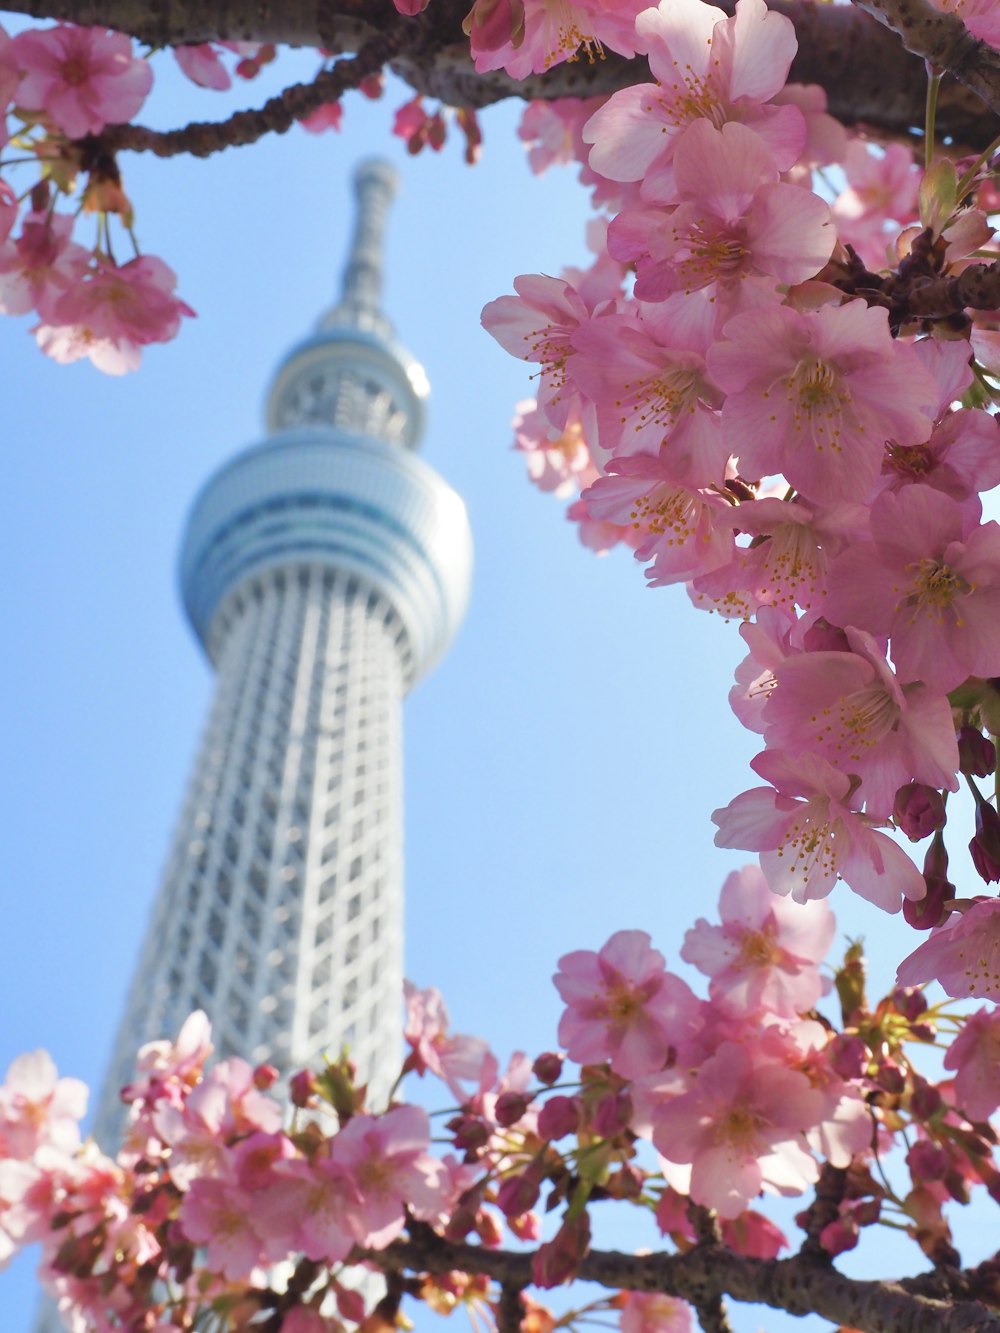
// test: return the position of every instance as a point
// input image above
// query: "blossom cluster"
(225, 1202)
(742, 391)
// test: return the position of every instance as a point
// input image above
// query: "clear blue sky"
(561, 763)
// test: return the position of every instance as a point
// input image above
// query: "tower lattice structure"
(324, 570)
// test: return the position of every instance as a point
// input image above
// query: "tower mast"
(324, 571)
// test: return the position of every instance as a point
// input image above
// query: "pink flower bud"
(612, 1114)
(526, 1226)
(517, 1194)
(928, 912)
(909, 1001)
(977, 756)
(264, 1077)
(927, 1161)
(548, 1067)
(925, 1100)
(301, 1087)
(985, 846)
(839, 1236)
(558, 1260)
(488, 1230)
(890, 1077)
(350, 1304)
(470, 1134)
(918, 811)
(510, 1107)
(558, 1117)
(847, 1056)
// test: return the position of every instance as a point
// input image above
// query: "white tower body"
(324, 571)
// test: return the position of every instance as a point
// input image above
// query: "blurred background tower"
(324, 571)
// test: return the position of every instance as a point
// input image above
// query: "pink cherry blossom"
(766, 952)
(329, 116)
(41, 264)
(740, 1128)
(654, 1312)
(929, 583)
(307, 1206)
(553, 31)
(623, 1005)
(557, 462)
(787, 569)
(386, 1159)
(81, 78)
(38, 1107)
(707, 66)
(809, 836)
(683, 531)
(849, 708)
(814, 395)
(881, 196)
(963, 954)
(646, 372)
(537, 325)
(113, 314)
(451, 1058)
(975, 1056)
(598, 535)
(9, 76)
(202, 65)
(169, 1069)
(735, 224)
(223, 1218)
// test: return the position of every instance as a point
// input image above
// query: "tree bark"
(709, 1272)
(869, 78)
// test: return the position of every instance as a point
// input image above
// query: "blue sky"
(561, 763)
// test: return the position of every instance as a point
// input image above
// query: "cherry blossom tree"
(777, 384)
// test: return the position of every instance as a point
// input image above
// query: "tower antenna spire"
(360, 304)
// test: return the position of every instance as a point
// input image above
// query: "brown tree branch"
(942, 39)
(276, 116)
(868, 77)
(709, 1272)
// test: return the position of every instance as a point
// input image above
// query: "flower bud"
(926, 1161)
(612, 1114)
(918, 811)
(925, 1099)
(977, 755)
(548, 1067)
(985, 845)
(301, 1087)
(558, 1117)
(488, 1230)
(264, 1077)
(510, 1107)
(930, 911)
(890, 1077)
(847, 1056)
(526, 1226)
(909, 1001)
(470, 1133)
(517, 1194)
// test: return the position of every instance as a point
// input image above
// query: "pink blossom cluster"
(760, 418)
(65, 84)
(219, 1204)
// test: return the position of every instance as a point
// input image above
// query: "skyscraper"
(324, 570)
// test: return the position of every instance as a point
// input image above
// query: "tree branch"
(942, 39)
(709, 1272)
(869, 78)
(276, 116)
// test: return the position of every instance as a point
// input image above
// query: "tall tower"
(324, 571)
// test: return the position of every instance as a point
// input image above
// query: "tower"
(324, 570)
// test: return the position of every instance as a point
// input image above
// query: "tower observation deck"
(324, 570)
